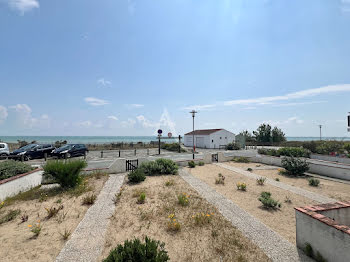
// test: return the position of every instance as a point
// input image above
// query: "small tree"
(277, 135)
(247, 135)
(263, 133)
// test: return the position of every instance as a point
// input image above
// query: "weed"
(141, 199)
(201, 163)
(24, 218)
(288, 200)
(43, 197)
(241, 186)
(58, 201)
(169, 182)
(202, 218)
(11, 215)
(52, 211)
(36, 228)
(241, 159)
(2, 204)
(61, 217)
(99, 174)
(220, 179)
(183, 199)
(261, 181)
(117, 197)
(277, 179)
(66, 234)
(173, 224)
(314, 182)
(89, 199)
(249, 169)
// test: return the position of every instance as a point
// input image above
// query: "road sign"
(160, 131)
(170, 134)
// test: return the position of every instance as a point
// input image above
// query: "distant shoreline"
(125, 139)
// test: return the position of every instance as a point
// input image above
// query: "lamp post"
(320, 132)
(193, 112)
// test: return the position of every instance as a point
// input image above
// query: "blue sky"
(128, 67)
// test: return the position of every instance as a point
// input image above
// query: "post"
(135, 152)
(158, 144)
(22, 158)
(320, 132)
(85, 155)
(45, 156)
(179, 144)
(119, 152)
(193, 112)
(101, 154)
(147, 151)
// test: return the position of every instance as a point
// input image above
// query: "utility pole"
(320, 132)
(193, 112)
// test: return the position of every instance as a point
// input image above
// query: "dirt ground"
(333, 189)
(193, 242)
(282, 220)
(17, 241)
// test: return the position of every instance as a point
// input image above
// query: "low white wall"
(20, 184)
(343, 160)
(331, 243)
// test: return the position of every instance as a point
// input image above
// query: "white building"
(209, 138)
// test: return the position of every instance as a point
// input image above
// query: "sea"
(124, 139)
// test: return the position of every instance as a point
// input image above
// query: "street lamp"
(193, 112)
(320, 132)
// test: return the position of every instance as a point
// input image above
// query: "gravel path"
(299, 191)
(88, 239)
(274, 246)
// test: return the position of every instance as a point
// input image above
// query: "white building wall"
(210, 141)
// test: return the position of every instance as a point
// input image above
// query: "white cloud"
(146, 123)
(295, 95)
(3, 114)
(113, 118)
(199, 107)
(135, 105)
(104, 82)
(21, 117)
(85, 124)
(23, 5)
(166, 123)
(93, 101)
(129, 123)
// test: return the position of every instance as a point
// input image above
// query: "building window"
(220, 137)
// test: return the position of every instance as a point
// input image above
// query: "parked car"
(70, 150)
(33, 151)
(4, 149)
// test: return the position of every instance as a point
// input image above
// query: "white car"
(4, 149)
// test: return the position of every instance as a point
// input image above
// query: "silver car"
(4, 149)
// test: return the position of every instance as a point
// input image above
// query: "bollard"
(45, 156)
(148, 151)
(119, 153)
(101, 154)
(22, 158)
(135, 152)
(85, 155)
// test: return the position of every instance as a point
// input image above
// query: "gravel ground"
(274, 246)
(293, 189)
(87, 241)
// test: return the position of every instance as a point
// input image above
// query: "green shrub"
(159, 167)
(172, 147)
(294, 166)
(141, 199)
(232, 146)
(314, 182)
(12, 168)
(66, 173)
(241, 159)
(241, 186)
(249, 169)
(268, 202)
(201, 163)
(150, 251)
(261, 181)
(191, 164)
(137, 176)
(293, 152)
(89, 199)
(11, 215)
(183, 199)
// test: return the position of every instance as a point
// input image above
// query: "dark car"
(32, 151)
(70, 150)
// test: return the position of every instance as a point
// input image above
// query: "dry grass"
(205, 239)
(21, 243)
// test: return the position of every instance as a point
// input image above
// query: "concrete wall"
(221, 138)
(343, 160)
(341, 215)
(20, 184)
(333, 244)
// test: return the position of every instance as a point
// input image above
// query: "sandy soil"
(337, 190)
(193, 242)
(282, 221)
(17, 241)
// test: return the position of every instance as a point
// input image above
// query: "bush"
(241, 159)
(201, 163)
(261, 181)
(183, 199)
(191, 164)
(141, 199)
(89, 200)
(159, 167)
(268, 202)
(172, 147)
(12, 168)
(137, 176)
(136, 251)
(232, 146)
(220, 179)
(293, 152)
(314, 182)
(241, 186)
(66, 173)
(249, 169)
(294, 166)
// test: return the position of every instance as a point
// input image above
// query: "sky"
(129, 67)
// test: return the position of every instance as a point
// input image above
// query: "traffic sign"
(160, 131)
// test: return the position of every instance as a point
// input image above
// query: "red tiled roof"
(203, 131)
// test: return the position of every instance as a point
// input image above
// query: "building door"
(200, 142)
